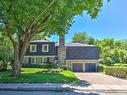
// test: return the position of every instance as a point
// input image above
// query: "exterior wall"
(51, 52)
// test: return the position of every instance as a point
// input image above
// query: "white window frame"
(43, 50)
(34, 60)
(31, 48)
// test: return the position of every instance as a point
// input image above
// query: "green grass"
(35, 75)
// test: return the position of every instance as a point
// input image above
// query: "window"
(45, 60)
(26, 60)
(39, 60)
(33, 60)
(32, 48)
(45, 48)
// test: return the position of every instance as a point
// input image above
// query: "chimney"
(61, 50)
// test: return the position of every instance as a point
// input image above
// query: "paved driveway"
(99, 78)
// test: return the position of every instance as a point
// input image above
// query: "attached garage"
(77, 67)
(90, 67)
(82, 58)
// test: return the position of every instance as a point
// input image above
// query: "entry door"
(77, 67)
(90, 67)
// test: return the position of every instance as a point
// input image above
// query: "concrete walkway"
(60, 87)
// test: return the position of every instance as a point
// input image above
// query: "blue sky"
(110, 23)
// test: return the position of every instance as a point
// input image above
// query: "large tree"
(83, 37)
(23, 19)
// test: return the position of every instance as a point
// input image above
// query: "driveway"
(99, 78)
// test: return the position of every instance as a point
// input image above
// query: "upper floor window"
(33, 48)
(45, 48)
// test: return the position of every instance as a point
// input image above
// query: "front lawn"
(35, 75)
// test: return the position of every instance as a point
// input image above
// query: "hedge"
(120, 72)
(45, 66)
(101, 68)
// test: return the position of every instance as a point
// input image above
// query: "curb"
(59, 89)
(62, 87)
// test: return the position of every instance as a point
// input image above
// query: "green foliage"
(52, 70)
(112, 51)
(18, 14)
(44, 66)
(83, 37)
(101, 68)
(3, 66)
(120, 72)
(39, 36)
(6, 50)
(64, 67)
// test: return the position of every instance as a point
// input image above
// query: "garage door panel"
(90, 67)
(78, 67)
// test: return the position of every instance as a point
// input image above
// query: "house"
(78, 57)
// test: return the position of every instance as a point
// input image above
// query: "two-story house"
(78, 57)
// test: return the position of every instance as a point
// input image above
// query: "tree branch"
(43, 11)
(30, 24)
(34, 28)
(11, 38)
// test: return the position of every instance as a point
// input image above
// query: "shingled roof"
(78, 51)
(82, 52)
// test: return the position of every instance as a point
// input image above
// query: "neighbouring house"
(78, 57)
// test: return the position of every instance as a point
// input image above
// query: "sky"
(111, 22)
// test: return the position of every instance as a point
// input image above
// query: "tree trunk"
(19, 52)
(16, 65)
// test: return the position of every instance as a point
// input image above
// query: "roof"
(82, 53)
(76, 44)
(41, 41)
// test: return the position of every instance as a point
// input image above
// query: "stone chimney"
(61, 50)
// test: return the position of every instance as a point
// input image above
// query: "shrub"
(120, 72)
(64, 67)
(45, 66)
(101, 68)
(52, 70)
(124, 65)
(3, 66)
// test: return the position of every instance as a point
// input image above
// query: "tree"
(112, 51)
(6, 52)
(23, 19)
(83, 37)
(39, 36)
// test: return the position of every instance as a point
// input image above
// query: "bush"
(120, 72)
(52, 70)
(64, 67)
(101, 68)
(45, 66)
(124, 65)
(3, 66)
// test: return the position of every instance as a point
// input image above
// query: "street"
(55, 93)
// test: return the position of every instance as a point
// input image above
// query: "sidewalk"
(60, 87)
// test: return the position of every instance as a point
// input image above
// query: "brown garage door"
(78, 67)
